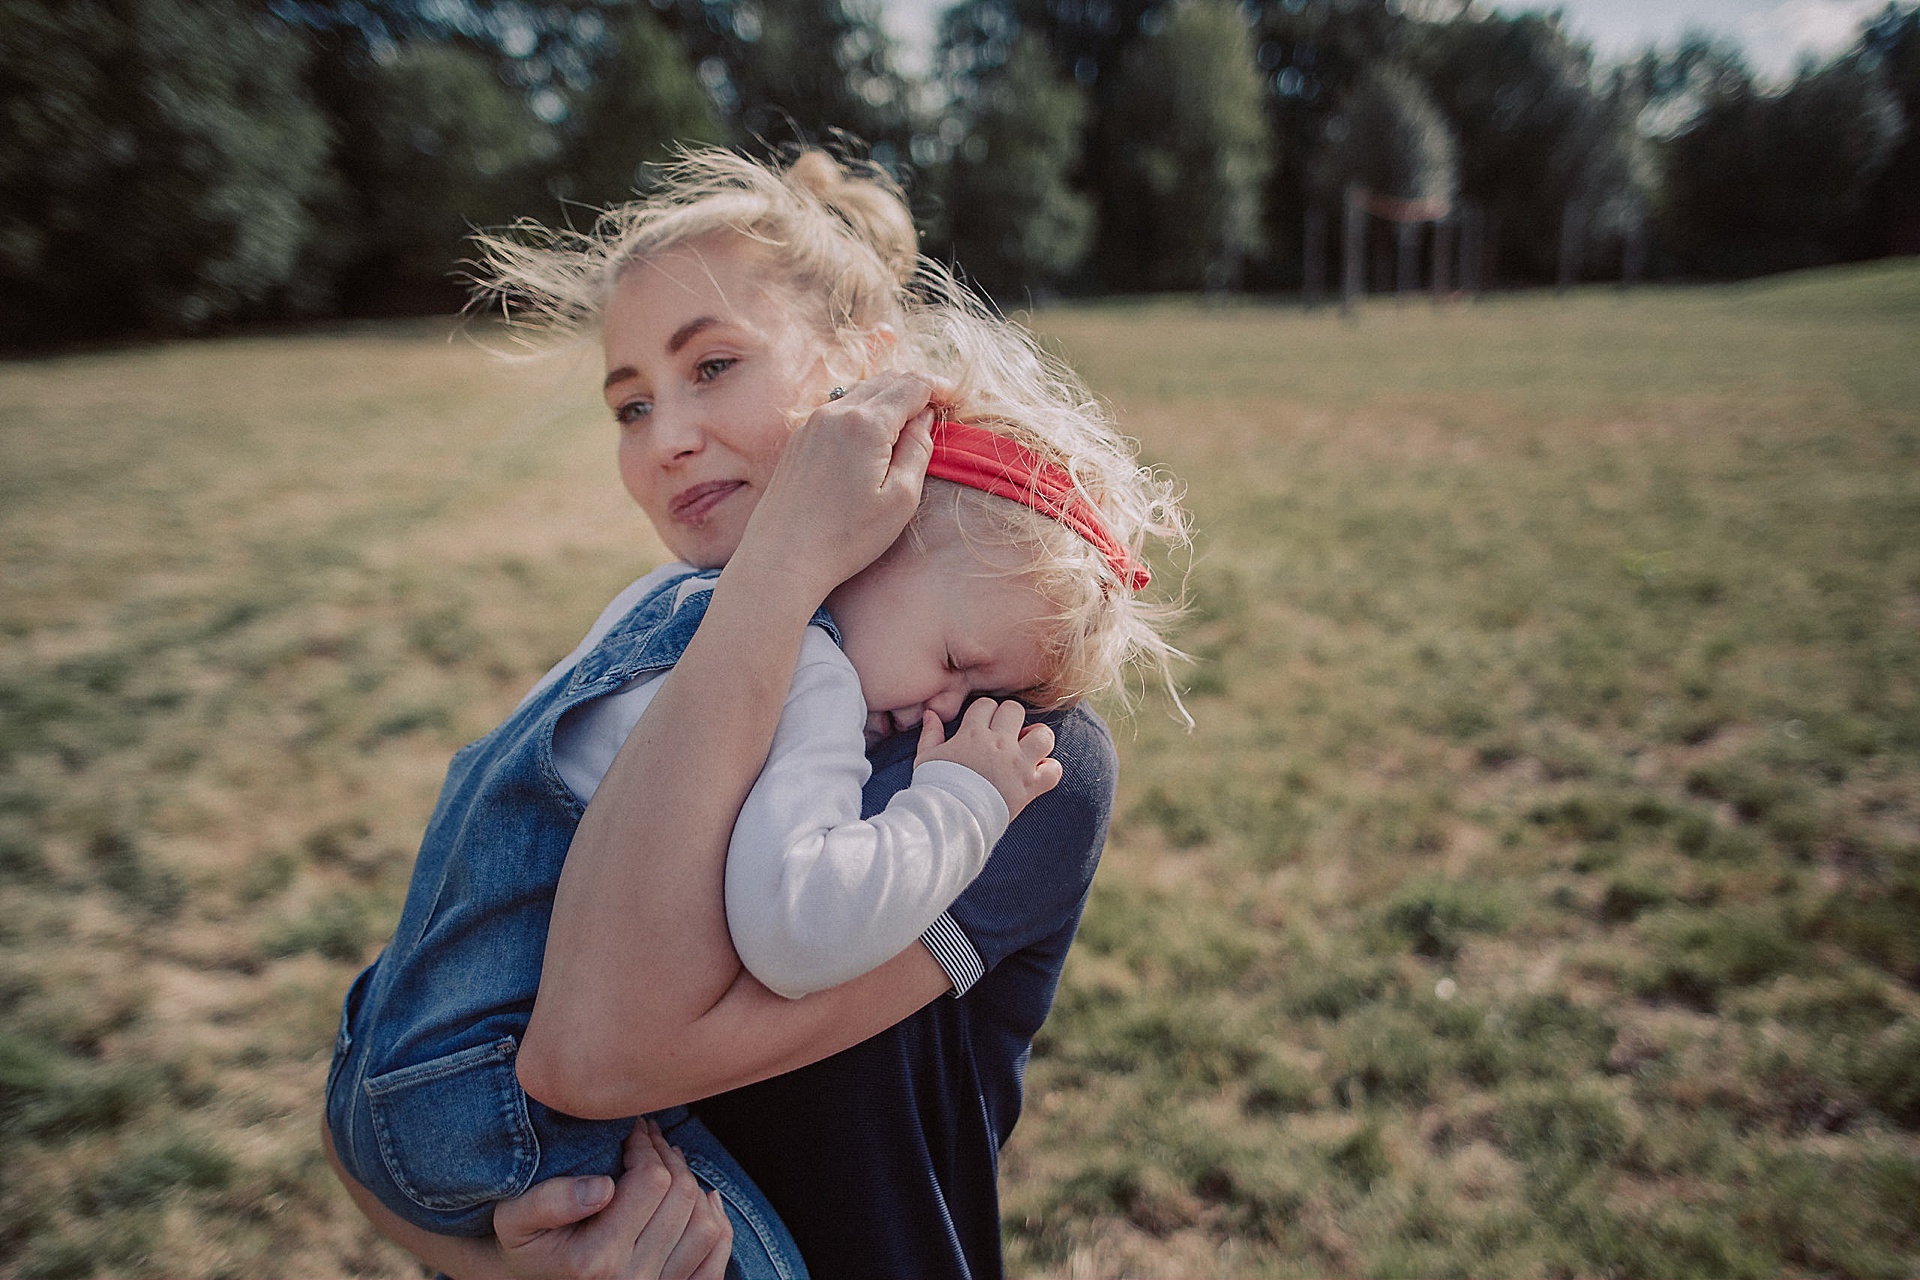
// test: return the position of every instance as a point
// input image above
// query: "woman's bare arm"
(641, 997)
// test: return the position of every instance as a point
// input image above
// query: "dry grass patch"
(1539, 893)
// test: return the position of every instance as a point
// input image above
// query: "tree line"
(170, 166)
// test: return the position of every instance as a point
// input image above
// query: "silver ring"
(836, 393)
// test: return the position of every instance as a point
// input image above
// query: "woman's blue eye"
(632, 411)
(707, 370)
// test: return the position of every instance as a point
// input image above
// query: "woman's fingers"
(714, 1265)
(705, 1247)
(557, 1202)
(847, 483)
(658, 1248)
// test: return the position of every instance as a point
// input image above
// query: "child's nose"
(947, 703)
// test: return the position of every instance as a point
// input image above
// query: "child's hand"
(996, 742)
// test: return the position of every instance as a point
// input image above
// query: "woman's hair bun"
(867, 200)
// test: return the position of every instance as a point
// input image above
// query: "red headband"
(1005, 468)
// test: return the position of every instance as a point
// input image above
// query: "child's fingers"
(1037, 741)
(978, 717)
(933, 736)
(1009, 718)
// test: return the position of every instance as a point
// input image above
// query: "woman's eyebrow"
(689, 331)
(681, 337)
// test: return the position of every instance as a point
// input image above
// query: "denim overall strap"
(664, 623)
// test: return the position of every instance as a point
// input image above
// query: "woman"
(872, 1114)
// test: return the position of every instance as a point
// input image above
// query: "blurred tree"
(1010, 216)
(159, 165)
(642, 99)
(1520, 95)
(1389, 138)
(1891, 45)
(1763, 182)
(1313, 54)
(1187, 153)
(434, 144)
(805, 70)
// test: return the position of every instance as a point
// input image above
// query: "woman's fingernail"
(591, 1193)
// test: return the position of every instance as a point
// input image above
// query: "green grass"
(1538, 894)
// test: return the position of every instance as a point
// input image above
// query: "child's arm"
(816, 895)
(638, 949)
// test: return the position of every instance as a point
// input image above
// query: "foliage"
(1011, 216)
(1891, 45)
(173, 164)
(810, 69)
(1519, 93)
(1764, 182)
(1187, 152)
(643, 100)
(1389, 139)
(160, 165)
(435, 144)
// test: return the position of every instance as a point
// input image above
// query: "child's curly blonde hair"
(839, 238)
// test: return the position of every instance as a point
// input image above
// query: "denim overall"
(422, 1100)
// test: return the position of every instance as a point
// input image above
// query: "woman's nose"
(675, 434)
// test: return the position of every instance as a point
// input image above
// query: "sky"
(1776, 34)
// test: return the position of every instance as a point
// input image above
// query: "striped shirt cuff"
(954, 953)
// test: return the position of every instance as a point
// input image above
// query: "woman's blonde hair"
(840, 241)
(838, 237)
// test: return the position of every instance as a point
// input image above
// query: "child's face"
(704, 362)
(925, 630)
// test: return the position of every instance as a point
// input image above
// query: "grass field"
(1539, 893)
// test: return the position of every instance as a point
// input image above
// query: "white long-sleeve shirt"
(815, 894)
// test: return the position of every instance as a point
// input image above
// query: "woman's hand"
(655, 1221)
(847, 483)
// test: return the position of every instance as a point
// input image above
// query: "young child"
(1014, 579)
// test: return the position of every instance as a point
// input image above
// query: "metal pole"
(1570, 239)
(1407, 268)
(1352, 236)
(1442, 258)
(1313, 256)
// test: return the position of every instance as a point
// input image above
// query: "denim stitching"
(715, 1178)
(524, 1155)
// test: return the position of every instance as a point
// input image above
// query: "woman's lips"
(692, 506)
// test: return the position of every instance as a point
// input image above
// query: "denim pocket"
(454, 1132)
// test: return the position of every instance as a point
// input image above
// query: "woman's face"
(705, 362)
